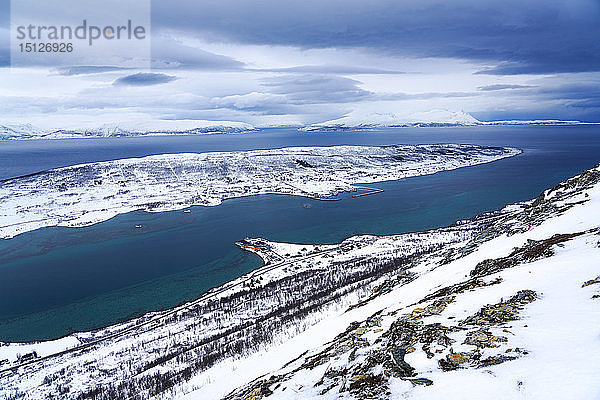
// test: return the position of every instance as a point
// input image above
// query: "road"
(168, 313)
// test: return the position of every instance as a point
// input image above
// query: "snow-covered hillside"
(512, 313)
(362, 120)
(503, 306)
(86, 194)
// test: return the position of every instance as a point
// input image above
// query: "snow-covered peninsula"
(85, 194)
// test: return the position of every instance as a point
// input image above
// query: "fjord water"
(58, 280)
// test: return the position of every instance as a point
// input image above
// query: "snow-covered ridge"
(138, 128)
(90, 193)
(361, 120)
(433, 118)
(357, 120)
(478, 318)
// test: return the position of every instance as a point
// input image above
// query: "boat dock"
(370, 191)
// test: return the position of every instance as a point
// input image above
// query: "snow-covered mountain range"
(371, 120)
(352, 121)
(137, 128)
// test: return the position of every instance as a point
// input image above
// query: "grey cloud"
(510, 37)
(489, 88)
(4, 58)
(424, 96)
(4, 43)
(293, 94)
(168, 52)
(537, 36)
(275, 104)
(87, 69)
(303, 89)
(555, 98)
(332, 69)
(144, 79)
(27, 105)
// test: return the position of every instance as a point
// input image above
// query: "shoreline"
(267, 258)
(58, 134)
(568, 201)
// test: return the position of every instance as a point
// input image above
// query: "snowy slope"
(514, 317)
(13, 131)
(503, 306)
(362, 120)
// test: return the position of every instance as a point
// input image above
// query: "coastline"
(562, 209)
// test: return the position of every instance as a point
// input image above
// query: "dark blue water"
(57, 280)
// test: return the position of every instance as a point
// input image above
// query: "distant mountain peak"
(359, 119)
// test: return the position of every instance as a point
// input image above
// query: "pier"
(370, 191)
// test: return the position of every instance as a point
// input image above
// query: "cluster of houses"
(27, 357)
(20, 360)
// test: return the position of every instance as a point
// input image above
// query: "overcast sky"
(271, 62)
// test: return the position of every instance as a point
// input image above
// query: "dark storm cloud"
(144, 79)
(574, 95)
(509, 37)
(558, 99)
(516, 37)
